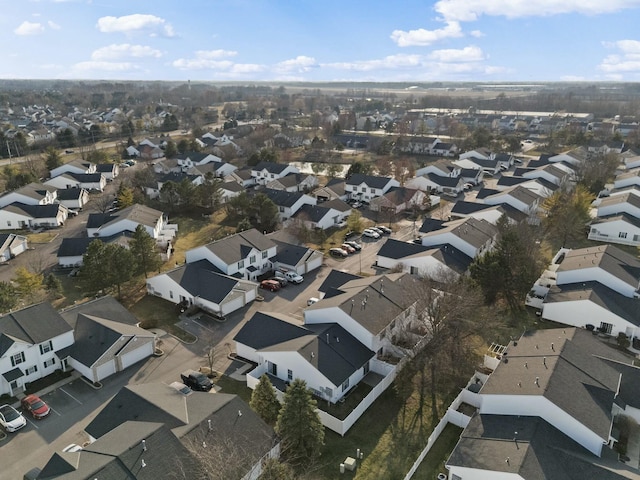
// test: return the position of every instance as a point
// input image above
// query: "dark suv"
(196, 380)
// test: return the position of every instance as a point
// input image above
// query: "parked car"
(385, 230)
(355, 245)
(338, 252)
(290, 276)
(282, 281)
(270, 285)
(377, 230)
(349, 234)
(196, 381)
(468, 186)
(312, 300)
(348, 248)
(11, 419)
(181, 388)
(35, 406)
(368, 232)
(356, 204)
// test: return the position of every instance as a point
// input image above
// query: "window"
(636, 238)
(364, 189)
(50, 362)
(373, 190)
(265, 254)
(252, 259)
(46, 347)
(289, 375)
(272, 368)
(281, 209)
(345, 385)
(240, 264)
(170, 294)
(622, 235)
(414, 271)
(8, 223)
(17, 359)
(32, 370)
(365, 369)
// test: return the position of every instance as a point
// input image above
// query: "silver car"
(11, 419)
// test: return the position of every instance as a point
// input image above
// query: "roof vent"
(537, 382)
(526, 365)
(144, 446)
(544, 361)
(552, 347)
(313, 355)
(142, 463)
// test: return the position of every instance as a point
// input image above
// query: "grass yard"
(229, 385)
(154, 312)
(434, 462)
(194, 232)
(42, 237)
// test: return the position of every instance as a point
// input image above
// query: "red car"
(35, 406)
(271, 285)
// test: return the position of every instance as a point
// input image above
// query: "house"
(432, 182)
(399, 199)
(479, 211)
(488, 165)
(127, 220)
(549, 411)
(238, 439)
(444, 149)
(288, 203)
(326, 215)
(216, 169)
(366, 187)
(246, 254)
(520, 198)
(628, 203)
(108, 170)
(88, 181)
(296, 258)
(74, 166)
(73, 198)
(573, 157)
(419, 145)
(622, 228)
(244, 177)
(481, 153)
(190, 159)
(294, 182)
(334, 189)
(264, 172)
(629, 178)
(472, 175)
(148, 152)
(19, 216)
(378, 311)
(229, 190)
(30, 341)
(31, 194)
(202, 284)
(107, 338)
(438, 263)
(551, 173)
(71, 250)
(12, 245)
(442, 168)
(173, 177)
(334, 280)
(122, 451)
(327, 357)
(472, 237)
(167, 165)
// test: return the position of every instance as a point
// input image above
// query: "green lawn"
(156, 312)
(194, 232)
(229, 385)
(434, 462)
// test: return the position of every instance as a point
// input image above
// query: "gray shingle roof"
(281, 197)
(236, 247)
(335, 280)
(203, 279)
(104, 307)
(137, 213)
(271, 167)
(70, 193)
(34, 211)
(370, 180)
(76, 246)
(34, 324)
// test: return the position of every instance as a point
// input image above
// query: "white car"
(290, 276)
(72, 448)
(367, 232)
(11, 419)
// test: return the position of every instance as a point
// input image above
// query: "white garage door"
(106, 369)
(233, 305)
(143, 351)
(314, 263)
(19, 248)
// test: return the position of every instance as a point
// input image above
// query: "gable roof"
(34, 190)
(137, 213)
(105, 307)
(538, 450)
(77, 246)
(563, 365)
(336, 279)
(473, 231)
(271, 167)
(371, 181)
(281, 197)
(290, 254)
(203, 279)
(312, 213)
(375, 301)
(34, 324)
(73, 193)
(34, 211)
(445, 254)
(236, 247)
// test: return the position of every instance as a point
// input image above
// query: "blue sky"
(329, 40)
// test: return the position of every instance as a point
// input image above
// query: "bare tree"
(103, 202)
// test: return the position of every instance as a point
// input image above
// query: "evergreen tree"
(53, 285)
(8, 297)
(264, 401)
(264, 213)
(27, 283)
(299, 425)
(125, 196)
(106, 266)
(143, 248)
(52, 158)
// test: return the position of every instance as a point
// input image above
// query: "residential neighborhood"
(448, 293)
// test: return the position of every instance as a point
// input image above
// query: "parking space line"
(54, 411)
(34, 425)
(203, 326)
(64, 391)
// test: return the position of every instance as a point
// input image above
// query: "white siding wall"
(539, 406)
(598, 275)
(163, 286)
(610, 232)
(336, 315)
(123, 225)
(582, 312)
(451, 239)
(475, 474)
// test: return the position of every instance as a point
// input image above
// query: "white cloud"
(124, 50)
(476, 33)
(386, 63)
(207, 59)
(467, 54)
(422, 37)
(29, 28)
(136, 23)
(471, 10)
(53, 25)
(628, 60)
(300, 64)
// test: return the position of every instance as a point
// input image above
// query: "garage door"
(232, 305)
(106, 369)
(314, 263)
(143, 351)
(18, 248)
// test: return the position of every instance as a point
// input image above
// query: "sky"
(328, 40)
